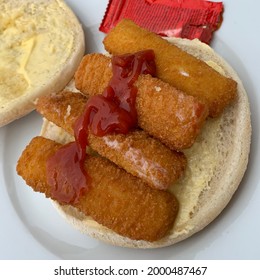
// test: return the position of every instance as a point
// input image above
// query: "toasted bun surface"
(216, 165)
(38, 52)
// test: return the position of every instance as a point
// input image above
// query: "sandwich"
(124, 206)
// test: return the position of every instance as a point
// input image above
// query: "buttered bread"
(41, 45)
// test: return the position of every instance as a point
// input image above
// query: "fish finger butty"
(122, 104)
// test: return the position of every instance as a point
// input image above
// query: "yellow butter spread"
(35, 40)
(202, 164)
(202, 156)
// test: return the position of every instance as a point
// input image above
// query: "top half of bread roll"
(41, 45)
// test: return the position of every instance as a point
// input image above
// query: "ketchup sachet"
(172, 18)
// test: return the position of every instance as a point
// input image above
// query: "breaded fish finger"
(164, 112)
(116, 199)
(136, 152)
(174, 66)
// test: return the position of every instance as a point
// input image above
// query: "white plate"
(32, 229)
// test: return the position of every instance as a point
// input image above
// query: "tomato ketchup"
(113, 111)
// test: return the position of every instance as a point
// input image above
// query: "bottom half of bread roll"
(216, 164)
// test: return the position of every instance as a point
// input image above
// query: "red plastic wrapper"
(172, 18)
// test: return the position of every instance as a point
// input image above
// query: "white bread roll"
(41, 45)
(216, 165)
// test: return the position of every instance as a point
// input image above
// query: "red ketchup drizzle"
(111, 112)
